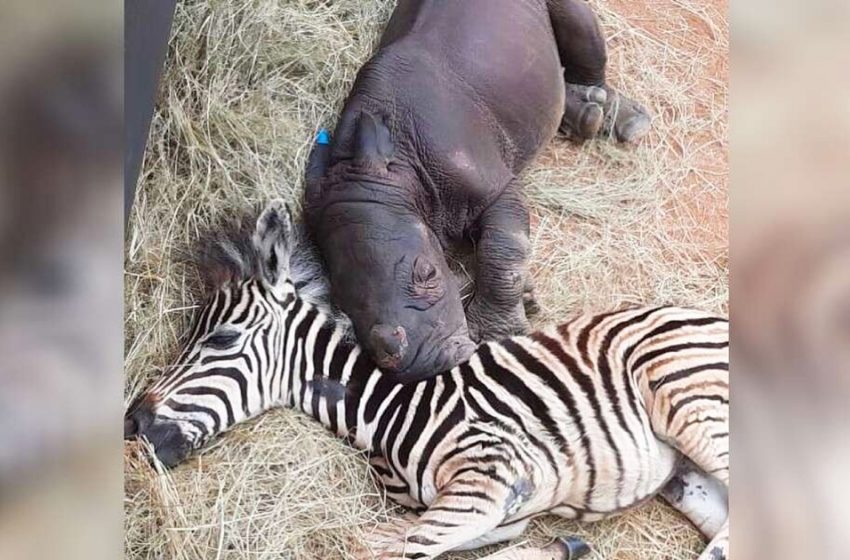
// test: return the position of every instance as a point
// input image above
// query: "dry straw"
(246, 84)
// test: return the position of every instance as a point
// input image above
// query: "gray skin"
(458, 99)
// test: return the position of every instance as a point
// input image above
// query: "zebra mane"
(227, 254)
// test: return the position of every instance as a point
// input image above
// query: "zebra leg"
(562, 549)
(396, 487)
(464, 510)
(569, 548)
(687, 396)
(683, 378)
(718, 548)
(701, 498)
(499, 534)
(704, 500)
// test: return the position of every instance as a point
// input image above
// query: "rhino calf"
(458, 99)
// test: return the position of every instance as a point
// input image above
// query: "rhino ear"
(373, 143)
(273, 242)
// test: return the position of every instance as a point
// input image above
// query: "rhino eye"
(425, 274)
(221, 340)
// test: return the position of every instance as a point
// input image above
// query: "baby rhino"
(458, 99)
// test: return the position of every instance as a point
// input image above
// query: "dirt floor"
(246, 84)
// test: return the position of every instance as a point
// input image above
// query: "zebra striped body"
(582, 420)
(574, 412)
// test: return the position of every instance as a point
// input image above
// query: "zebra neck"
(324, 372)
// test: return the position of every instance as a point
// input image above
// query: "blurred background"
(61, 245)
(790, 231)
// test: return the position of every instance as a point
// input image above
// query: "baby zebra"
(581, 420)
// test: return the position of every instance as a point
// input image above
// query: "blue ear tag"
(323, 138)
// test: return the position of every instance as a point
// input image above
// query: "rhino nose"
(389, 344)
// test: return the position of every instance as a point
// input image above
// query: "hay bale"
(246, 84)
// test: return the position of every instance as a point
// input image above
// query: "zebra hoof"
(570, 548)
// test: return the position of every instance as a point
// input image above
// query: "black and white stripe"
(581, 409)
(584, 419)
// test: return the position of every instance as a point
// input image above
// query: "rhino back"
(490, 63)
(471, 95)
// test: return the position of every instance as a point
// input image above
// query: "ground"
(247, 83)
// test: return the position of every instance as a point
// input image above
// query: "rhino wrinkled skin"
(457, 100)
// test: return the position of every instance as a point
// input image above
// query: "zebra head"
(233, 357)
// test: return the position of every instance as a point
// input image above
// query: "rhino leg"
(592, 107)
(626, 120)
(502, 246)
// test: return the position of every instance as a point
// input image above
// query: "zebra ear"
(273, 242)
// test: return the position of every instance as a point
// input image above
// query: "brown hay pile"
(246, 84)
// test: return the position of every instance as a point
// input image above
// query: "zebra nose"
(131, 427)
(137, 419)
(389, 345)
(169, 443)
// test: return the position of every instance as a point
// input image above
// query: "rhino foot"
(487, 323)
(626, 120)
(591, 111)
(584, 114)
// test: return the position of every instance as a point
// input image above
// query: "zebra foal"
(581, 420)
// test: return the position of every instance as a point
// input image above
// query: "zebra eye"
(222, 340)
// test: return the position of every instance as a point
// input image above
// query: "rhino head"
(387, 269)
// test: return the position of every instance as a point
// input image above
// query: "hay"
(247, 83)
